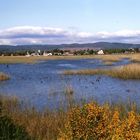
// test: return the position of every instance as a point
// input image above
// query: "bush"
(94, 122)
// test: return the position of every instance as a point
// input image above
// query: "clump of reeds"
(131, 71)
(69, 96)
(69, 90)
(4, 76)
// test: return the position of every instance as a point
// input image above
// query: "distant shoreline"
(33, 59)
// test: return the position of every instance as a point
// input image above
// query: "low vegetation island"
(131, 71)
(4, 76)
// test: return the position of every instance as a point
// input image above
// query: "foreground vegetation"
(4, 76)
(131, 71)
(89, 121)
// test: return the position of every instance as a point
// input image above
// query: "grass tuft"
(4, 76)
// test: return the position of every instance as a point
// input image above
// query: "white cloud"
(47, 35)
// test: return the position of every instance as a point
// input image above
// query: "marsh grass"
(88, 121)
(35, 59)
(17, 59)
(106, 58)
(39, 125)
(4, 76)
(131, 71)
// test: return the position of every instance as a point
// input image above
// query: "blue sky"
(88, 19)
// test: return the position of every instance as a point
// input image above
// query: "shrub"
(101, 123)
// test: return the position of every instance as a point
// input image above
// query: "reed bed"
(36, 125)
(16, 59)
(89, 121)
(33, 59)
(4, 76)
(131, 71)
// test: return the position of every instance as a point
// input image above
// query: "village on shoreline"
(70, 52)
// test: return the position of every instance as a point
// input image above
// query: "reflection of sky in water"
(43, 85)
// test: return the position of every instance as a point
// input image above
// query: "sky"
(69, 21)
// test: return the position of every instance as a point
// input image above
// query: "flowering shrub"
(101, 123)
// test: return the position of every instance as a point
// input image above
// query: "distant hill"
(98, 45)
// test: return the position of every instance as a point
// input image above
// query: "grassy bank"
(34, 59)
(131, 71)
(4, 76)
(106, 58)
(16, 59)
(90, 121)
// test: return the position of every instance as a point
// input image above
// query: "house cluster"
(65, 53)
(38, 53)
(44, 53)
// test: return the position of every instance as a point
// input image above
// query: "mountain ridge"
(97, 45)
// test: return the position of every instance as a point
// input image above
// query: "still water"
(44, 85)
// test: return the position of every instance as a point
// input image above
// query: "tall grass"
(89, 121)
(4, 76)
(39, 125)
(131, 71)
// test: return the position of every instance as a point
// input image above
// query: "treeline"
(16, 53)
(67, 52)
(130, 50)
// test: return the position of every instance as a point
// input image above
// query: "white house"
(100, 52)
(35, 54)
(47, 54)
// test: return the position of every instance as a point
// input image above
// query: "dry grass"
(131, 71)
(39, 125)
(4, 76)
(90, 121)
(16, 59)
(34, 59)
(106, 58)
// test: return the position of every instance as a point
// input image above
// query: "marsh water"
(44, 85)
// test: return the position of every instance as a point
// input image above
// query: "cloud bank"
(46, 35)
